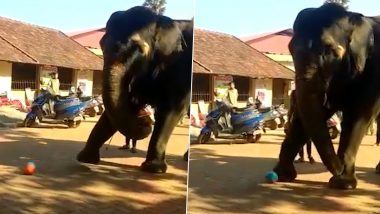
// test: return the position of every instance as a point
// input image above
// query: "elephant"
(147, 60)
(335, 54)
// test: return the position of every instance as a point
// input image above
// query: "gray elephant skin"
(336, 54)
(147, 60)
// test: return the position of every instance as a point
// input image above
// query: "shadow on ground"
(231, 184)
(62, 185)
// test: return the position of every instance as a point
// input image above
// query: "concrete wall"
(5, 76)
(285, 60)
(84, 76)
(265, 86)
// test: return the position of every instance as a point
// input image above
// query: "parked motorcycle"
(100, 105)
(95, 103)
(283, 112)
(228, 122)
(272, 119)
(68, 110)
(275, 117)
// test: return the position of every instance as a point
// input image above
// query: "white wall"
(285, 60)
(5, 76)
(265, 86)
(85, 76)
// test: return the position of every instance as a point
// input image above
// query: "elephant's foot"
(378, 168)
(285, 172)
(154, 166)
(89, 156)
(343, 182)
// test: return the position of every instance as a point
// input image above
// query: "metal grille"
(243, 97)
(196, 96)
(65, 86)
(22, 84)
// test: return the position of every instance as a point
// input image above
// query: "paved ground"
(62, 185)
(229, 178)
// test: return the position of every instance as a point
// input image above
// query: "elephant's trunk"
(123, 113)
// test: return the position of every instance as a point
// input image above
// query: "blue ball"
(271, 177)
(31, 163)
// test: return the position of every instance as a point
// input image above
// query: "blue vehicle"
(67, 110)
(228, 122)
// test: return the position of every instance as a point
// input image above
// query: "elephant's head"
(328, 42)
(137, 46)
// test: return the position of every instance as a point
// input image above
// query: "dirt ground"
(229, 178)
(62, 185)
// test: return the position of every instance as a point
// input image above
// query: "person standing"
(53, 88)
(127, 145)
(232, 94)
(54, 83)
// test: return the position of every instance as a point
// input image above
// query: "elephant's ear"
(168, 38)
(362, 40)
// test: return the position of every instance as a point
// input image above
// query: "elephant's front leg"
(294, 140)
(353, 131)
(102, 131)
(166, 120)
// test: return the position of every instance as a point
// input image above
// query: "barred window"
(201, 88)
(24, 76)
(242, 85)
(66, 77)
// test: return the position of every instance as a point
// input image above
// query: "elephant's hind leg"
(102, 131)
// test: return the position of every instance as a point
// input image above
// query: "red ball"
(29, 169)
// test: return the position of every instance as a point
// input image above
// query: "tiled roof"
(220, 53)
(273, 43)
(10, 53)
(22, 42)
(215, 53)
(199, 68)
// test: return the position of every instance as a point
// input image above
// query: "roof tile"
(225, 54)
(43, 45)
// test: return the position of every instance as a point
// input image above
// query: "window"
(201, 88)
(242, 85)
(65, 76)
(24, 76)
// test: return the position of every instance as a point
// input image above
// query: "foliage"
(157, 6)
(344, 3)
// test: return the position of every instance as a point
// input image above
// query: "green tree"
(157, 6)
(344, 3)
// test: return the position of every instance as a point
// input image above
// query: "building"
(90, 40)
(214, 66)
(273, 45)
(220, 58)
(29, 52)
